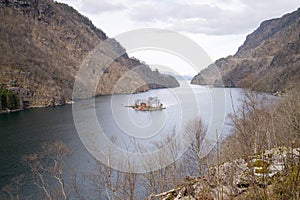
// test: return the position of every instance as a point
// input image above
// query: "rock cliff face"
(269, 59)
(43, 44)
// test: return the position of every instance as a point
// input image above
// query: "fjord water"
(23, 132)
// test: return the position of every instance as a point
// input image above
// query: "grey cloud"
(225, 23)
(96, 7)
(212, 18)
(161, 11)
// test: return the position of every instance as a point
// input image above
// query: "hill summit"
(269, 59)
(43, 43)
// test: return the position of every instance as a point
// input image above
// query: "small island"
(150, 104)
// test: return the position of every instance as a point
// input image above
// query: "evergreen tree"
(8, 100)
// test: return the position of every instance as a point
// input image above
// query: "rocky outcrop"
(269, 59)
(43, 43)
(234, 179)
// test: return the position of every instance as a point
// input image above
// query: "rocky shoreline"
(234, 179)
(11, 111)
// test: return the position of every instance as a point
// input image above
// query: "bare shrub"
(165, 177)
(253, 129)
(288, 186)
(287, 121)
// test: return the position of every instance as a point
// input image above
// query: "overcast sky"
(218, 26)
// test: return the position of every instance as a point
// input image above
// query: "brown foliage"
(261, 124)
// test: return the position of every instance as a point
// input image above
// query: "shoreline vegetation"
(7, 110)
(9, 101)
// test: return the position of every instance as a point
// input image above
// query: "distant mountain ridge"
(43, 44)
(269, 59)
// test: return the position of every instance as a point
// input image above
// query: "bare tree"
(12, 190)
(252, 127)
(47, 169)
(287, 119)
(167, 175)
(259, 125)
(194, 158)
(110, 183)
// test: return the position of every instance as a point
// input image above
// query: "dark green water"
(23, 132)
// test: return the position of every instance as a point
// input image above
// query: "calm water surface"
(23, 132)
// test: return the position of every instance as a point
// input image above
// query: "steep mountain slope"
(269, 59)
(43, 44)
